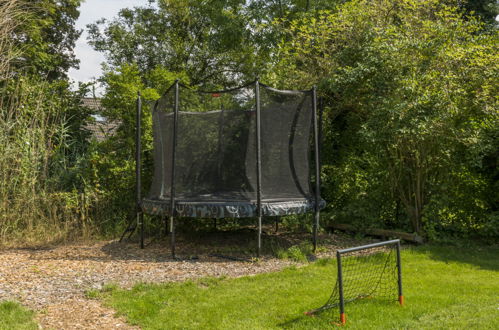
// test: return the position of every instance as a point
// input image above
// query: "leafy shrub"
(410, 123)
(297, 253)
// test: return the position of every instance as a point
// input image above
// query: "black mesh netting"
(216, 145)
(367, 274)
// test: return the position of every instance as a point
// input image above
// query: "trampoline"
(243, 152)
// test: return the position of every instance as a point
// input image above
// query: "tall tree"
(214, 41)
(209, 40)
(47, 37)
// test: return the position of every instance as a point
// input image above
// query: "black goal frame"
(338, 292)
(339, 254)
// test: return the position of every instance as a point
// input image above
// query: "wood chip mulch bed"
(53, 280)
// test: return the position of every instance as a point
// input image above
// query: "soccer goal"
(368, 271)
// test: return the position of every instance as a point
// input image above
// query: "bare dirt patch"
(53, 280)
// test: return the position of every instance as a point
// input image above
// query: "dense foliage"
(42, 135)
(410, 89)
(412, 116)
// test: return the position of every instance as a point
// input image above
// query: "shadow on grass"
(325, 319)
(480, 255)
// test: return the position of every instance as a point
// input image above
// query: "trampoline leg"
(172, 237)
(316, 225)
(140, 220)
(276, 224)
(259, 237)
(167, 229)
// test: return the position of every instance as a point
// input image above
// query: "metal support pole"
(140, 220)
(172, 236)
(317, 168)
(343, 319)
(399, 271)
(321, 113)
(167, 229)
(172, 191)
(258, 169)
(138, 182)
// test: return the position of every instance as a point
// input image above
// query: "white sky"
(90, 11)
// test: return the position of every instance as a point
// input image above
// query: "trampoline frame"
(317, 132)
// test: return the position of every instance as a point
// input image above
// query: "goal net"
(368, 271)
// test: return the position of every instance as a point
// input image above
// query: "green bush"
(41, 141)
(297, 253)
(411, 120)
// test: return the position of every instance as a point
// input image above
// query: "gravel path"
(53, 281)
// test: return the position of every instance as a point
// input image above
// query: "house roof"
(92, 103)
(100, 126)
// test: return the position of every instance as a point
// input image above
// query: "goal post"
(367, 271)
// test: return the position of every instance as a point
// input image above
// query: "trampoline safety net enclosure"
(209, 155)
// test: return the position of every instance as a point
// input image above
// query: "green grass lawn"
(444, 287)
(14, 316)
